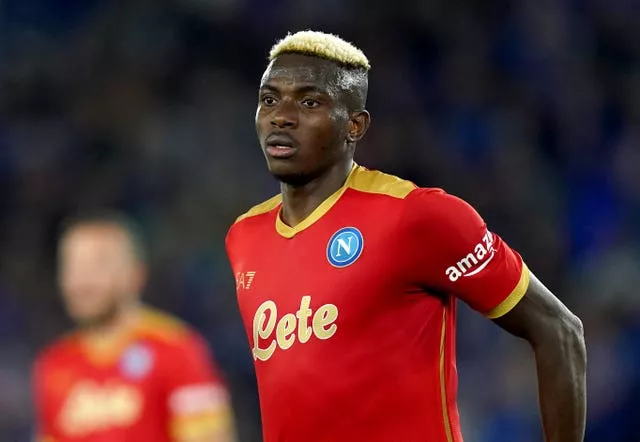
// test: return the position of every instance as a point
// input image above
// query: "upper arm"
(538, 316)
(197, 398)
(453, 251)
(42, 418)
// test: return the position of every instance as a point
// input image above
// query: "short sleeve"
(197, 398)
(452, 251)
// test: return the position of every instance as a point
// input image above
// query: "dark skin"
(557, 339)
(301, 99)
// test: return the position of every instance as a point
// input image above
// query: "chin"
(288, 173)
(292, 179)
(93, 319)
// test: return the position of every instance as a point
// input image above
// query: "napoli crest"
(136, 362)
(345, 247)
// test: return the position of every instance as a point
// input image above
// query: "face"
(302, 122)
(98, 272)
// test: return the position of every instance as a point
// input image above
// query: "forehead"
(296, 69)
(94, 237)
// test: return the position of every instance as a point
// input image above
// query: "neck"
(110, 329)
(299, 201)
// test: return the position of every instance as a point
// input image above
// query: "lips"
(280, 139)
(280, 146)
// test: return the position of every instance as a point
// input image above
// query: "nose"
(285, 116)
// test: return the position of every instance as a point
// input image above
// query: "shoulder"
(430, 210)
(177, 348)
(441, 220)
(439, 208)
(379, 183)
(254, 216)
(171, 334)
(260, 209)
(59, 350)
(174, 340)
(430, 202)
(164, 329)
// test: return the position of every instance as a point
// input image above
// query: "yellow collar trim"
(318, 212)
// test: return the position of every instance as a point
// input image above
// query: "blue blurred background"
(528, 110)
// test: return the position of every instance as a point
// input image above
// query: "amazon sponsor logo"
(475, 261)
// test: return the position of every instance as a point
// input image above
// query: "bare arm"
(557, 339)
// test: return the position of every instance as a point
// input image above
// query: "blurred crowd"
(528, 110)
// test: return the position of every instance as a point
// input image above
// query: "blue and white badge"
(345, 247)
(136, 361)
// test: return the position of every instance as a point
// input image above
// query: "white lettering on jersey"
(344, 245)
(475, 261)
(93, 407)
(244, 280)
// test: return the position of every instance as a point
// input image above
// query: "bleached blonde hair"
(323, 45)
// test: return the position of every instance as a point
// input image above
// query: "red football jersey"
(351, 313)
(158, 385)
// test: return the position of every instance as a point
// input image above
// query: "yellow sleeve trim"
(202, 425)
(514, 298)
(261, 208)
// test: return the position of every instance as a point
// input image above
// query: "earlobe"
(352, 135)
(352, 131)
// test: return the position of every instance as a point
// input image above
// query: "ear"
(358, 125)
(139, 277)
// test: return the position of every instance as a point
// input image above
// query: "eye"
(268, 100)
(310, 103)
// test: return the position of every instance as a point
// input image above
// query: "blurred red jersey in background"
(157, 383)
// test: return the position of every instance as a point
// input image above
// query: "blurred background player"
(348, 280)
(128, 373)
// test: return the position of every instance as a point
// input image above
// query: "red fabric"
(376, 366)
(132, 395)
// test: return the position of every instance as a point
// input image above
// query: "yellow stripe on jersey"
(443, 385)
(360, 179)
(373, 181)
(261, 208)
(152, 323)
(514, 298)
(290, 232)
(162, 326)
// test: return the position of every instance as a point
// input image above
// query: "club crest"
(345, 247)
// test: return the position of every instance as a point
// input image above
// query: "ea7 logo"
(474, 262)
(244, 280)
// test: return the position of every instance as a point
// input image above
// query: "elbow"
(577, 333)
(577, 327)
(569, 339)
(561, 335)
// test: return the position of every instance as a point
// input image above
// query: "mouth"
(280, 146)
